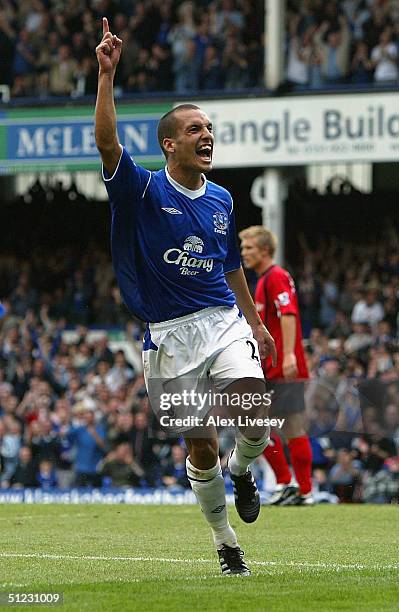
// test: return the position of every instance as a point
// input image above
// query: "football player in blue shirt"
(178, 267)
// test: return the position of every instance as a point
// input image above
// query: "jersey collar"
(193, 194)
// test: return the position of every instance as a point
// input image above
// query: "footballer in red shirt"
(277, 304)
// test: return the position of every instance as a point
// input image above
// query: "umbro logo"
(218, 510)
(172, 211)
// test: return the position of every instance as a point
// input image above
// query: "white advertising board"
(302, 130)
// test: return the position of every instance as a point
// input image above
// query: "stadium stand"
(353, 42)
(46, 47)
(59, 382)
(73, 407)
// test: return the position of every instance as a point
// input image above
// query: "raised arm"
(108, 53)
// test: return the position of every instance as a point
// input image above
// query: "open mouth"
(205, 153)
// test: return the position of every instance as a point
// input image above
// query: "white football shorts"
(213, 346)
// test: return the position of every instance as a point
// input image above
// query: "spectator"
(384, 59)
(46, 475)
(344, 476)
(235, 65)
(212, 75)
(362, 66)
(383, 487)
(368, 310)
(174, 474)
(187, 68)
(228, 16)
(121, 468)
(391, 422)
(62, 73)
(120, 428)
(25, 473)
(166, 17)
(299, 53)
(61, 417)
(121, 373)
(141, 82)
(339, 327)
(24, 59)
(183, 31)
(129, 58)
(161, 67)
(333, 45)
(374, 26)
(44, 441)
(328, 301)
(89, 439)
(145, 24)
(9, 450)
(86, 77)
(143, 447)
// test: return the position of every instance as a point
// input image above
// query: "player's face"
(193, 145)
(252, 255)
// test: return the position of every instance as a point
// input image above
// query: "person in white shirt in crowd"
(368, 310)
(120, 374)
(299, 53)
(385, 59)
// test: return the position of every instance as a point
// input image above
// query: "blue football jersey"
(171, 246)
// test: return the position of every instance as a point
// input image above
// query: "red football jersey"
(275, 295)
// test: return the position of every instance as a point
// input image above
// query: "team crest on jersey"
(193, 244)
(221, 222)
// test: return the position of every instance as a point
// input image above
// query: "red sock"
(274, 453)
(301, 459)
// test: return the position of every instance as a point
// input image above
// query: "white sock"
(245, 452)
(209, 489)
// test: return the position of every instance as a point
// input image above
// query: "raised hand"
(109, 50)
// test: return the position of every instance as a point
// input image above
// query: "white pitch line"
(42, 516)
(300, 564)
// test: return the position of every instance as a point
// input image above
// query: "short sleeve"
(281, 290)
(233, 259)
(128, 183)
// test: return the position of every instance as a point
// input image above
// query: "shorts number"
(254, 355)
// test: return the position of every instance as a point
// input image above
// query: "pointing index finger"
(105, 26)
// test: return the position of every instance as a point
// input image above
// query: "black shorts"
(287, 398)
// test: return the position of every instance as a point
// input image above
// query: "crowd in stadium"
(72, 412)
(47, 46)
(333, 43)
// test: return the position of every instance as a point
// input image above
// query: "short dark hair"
(167, 124)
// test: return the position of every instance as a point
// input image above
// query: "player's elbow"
(104, 143)
(110, 156)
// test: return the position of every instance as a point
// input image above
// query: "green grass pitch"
(161, 558)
